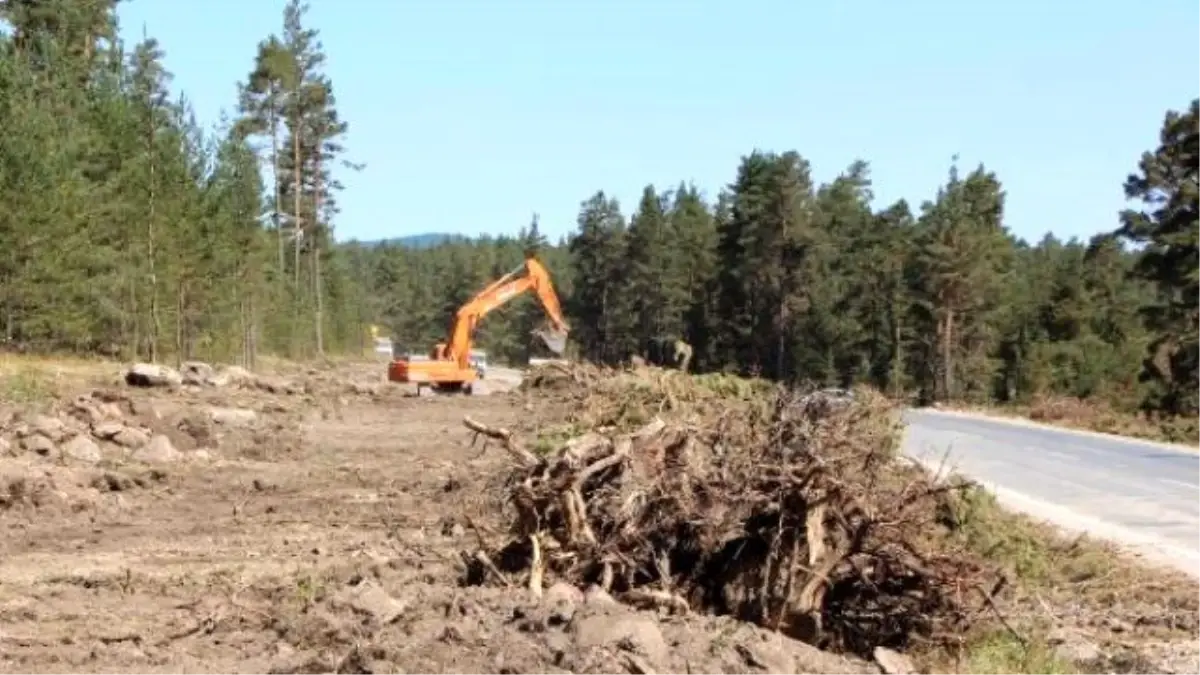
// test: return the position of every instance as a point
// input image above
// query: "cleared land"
(320, 520)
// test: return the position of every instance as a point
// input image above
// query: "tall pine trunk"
(155, 327)
(316, 255)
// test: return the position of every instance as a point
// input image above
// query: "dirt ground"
(313, 528)
(319, 520)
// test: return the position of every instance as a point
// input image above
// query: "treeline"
(128, 229)
(784, 278)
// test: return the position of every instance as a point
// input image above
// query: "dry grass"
(36, 380)
(1089, 415)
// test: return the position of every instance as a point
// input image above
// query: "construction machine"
(449, 367)
(667, 352)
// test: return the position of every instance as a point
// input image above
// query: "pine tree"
(960, 260)
(1168, 185)
(600, 316)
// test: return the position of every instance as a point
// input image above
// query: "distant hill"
(426, 240)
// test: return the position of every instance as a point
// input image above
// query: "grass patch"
(1034, 553)
(32, 379)
(1000, 651)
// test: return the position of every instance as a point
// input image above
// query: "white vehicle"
(383, 347)
(478, 360)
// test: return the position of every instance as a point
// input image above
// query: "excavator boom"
(449, 366)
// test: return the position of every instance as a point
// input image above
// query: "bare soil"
(324, 521)
(323, 536)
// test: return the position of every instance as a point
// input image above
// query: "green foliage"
(799, 282)
(127, 230)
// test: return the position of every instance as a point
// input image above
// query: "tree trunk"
(180, 303)
(297, 184)
(297, 232)
(316, 255)
(948, 356)
(274, 122)
(897, 365)
(155, 328)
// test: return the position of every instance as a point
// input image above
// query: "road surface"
(1141, 494)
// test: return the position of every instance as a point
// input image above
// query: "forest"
(130, 230)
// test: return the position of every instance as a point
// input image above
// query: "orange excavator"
(449, 368)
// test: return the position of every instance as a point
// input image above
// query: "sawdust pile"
(739, 498)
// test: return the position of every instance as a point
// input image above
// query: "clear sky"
(471, 115)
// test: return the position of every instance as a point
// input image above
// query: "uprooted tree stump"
(795, 517)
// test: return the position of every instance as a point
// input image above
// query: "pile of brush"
(787, 510)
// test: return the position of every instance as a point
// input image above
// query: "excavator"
(449, 369)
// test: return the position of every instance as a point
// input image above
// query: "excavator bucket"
(556, 341)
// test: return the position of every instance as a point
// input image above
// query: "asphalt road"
(1142, 494)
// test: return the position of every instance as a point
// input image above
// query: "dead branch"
(504, 436)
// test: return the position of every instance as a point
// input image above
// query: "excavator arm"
(535, 278)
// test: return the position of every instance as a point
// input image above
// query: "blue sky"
(471, 115)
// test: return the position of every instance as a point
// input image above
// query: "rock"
(131, 437)
(99, 406)
(232, 375)
(594, 595)
(107, 430)
(39, 444)
(1072, 646)
(197, 373)
(562, 599)
(159, 450)
(83, 449)
(364, 389)
(110, 410)
(625, 631)
(50, 427)
(121, 434)
(233, 417)
(368, 598)
(562, 592)
(6, 446)
(201, 455)
(152, 375)
(145, 410)
(193, 429)
(893, 662)
(88, 410)
(276, 385)
(767, 655)
(109, 395)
